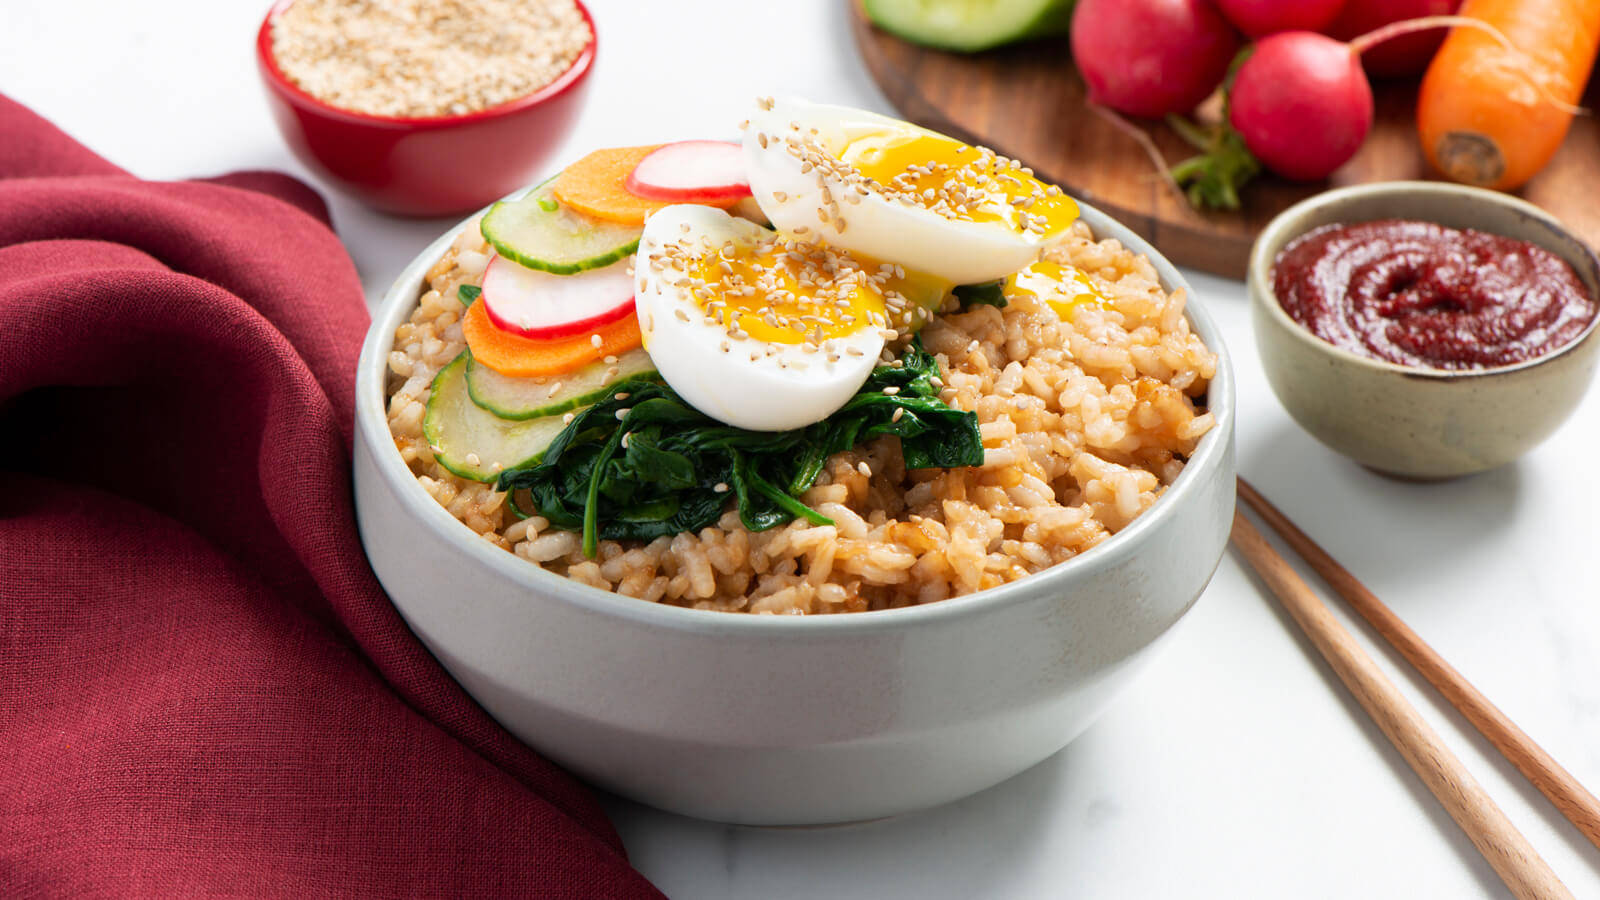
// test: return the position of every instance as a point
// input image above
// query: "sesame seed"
(594, 339)
(720, 487)
(567, 419)
(609, 360)
(404, 59)
(623, 395)
(891, 390)
(898, 412)
(623, 412)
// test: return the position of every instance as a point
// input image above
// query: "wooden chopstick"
(1565, 792)
(1505, 848)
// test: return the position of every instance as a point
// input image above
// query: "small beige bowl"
(1415, 422)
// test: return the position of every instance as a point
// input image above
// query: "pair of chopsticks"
(1505, 848)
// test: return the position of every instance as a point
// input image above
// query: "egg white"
(757, 385)
(877, 227)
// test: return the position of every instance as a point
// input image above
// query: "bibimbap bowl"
(787, 719)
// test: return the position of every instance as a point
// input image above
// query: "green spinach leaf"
(988, 293)
(652, 465)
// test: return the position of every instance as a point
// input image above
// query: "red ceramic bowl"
(430, 166)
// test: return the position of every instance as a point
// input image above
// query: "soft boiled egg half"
(888, 190)
(761, 330)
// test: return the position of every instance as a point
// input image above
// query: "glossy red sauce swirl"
(1420, 294)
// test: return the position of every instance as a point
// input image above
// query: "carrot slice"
(597, 186)
(519, 357)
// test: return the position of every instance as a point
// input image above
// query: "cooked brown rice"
(1085, 423)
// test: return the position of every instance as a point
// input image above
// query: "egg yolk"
(787, 293)
(923, 293)
(959, 181)
(1063, 287)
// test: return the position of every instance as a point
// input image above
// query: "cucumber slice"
(539, 232)
(469, 441)
(969, 25)
(527, 398)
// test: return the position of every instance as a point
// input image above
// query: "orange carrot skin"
(522, 357)
(1479, 116)
(597, 186)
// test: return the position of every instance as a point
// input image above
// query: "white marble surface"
(1236, 767)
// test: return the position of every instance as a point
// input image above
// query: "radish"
(1300, 105)
(1258, 18)
(1151, 58)
(543, 306)
(1403, 56)
(691, 172)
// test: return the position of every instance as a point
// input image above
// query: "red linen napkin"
(202, 688)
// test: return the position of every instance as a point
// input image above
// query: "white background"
(1236, 766)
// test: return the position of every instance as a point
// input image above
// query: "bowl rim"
(372, 426)
(569, 78)
(1259, 273)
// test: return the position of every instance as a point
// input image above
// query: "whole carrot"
(1492, 114)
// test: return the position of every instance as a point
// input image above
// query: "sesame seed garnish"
(594, 339)
(609, 360)
(864, 469)
(720, 487)
(898, 412)
(567, 419)
(623, 395)
(623, 412)
(426, 58)
(891, 390)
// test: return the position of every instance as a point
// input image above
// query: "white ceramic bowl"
(779, 720)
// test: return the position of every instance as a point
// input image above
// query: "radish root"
(1142, 138)
(1364, 42)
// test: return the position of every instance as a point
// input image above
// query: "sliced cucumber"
(969, 25)
(470, 441)
(539, 232)
(527, 398)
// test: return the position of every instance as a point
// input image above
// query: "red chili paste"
(1421, 294)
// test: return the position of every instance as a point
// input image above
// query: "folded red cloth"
(202, 688)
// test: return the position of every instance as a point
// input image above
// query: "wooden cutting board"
(1027, 102)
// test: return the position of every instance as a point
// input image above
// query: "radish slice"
(691, 172)
(543, 306)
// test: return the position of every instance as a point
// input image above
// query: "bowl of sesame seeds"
(415, 107)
